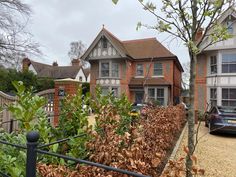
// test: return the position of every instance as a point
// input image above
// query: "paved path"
(216, 153)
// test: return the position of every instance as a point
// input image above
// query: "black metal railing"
(33, 149)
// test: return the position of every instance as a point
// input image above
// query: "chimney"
(199, 34)
(25, 63)
(54, 63)
(75, 62)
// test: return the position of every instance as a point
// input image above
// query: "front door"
(139, 97)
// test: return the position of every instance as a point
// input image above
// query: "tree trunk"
(191, 115)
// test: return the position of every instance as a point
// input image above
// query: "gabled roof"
(230, 11)
(135, 49)
(146, 48)
(55, 72)
(111, 38)
(226, 13)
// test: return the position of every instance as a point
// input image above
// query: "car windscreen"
(227, 109)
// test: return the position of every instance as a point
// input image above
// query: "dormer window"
(104, 42)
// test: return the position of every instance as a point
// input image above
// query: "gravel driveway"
(216, 153)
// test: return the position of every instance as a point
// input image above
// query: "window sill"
(158, 76)
(108, 78)
(138, 76)
(221, 74)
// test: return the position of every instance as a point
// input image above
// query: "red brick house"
(143, 69)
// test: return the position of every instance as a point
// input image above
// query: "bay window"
(229, 63)
(109, 69)
(107, 89)
(157, 95)
(105, 69)
(213, 96)
(228, 96)
(213, 64)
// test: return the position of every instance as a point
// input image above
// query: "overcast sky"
(56, 23)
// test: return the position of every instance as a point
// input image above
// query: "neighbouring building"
(75, 71)
(216, 69)
(143, 69)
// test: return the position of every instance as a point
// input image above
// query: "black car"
(221, 119)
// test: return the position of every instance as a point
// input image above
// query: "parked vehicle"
(221, 119)
(137, 110)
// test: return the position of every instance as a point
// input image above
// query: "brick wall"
(127, 70)
(70, 88)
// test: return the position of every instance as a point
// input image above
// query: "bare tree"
(77, 48)
(14, 38)
(184, 19)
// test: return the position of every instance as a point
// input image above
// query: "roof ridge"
(39, 63)
(141, 39)
(111, 34)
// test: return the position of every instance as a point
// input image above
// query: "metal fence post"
(32, 142)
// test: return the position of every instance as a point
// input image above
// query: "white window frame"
(141, 64)
(159, 68)
(155, 95)
(227, 63)
(213, 64)
(213, 96)
(229, 99)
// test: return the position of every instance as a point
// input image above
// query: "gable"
(99, 51)
(31, 68)
(80, 76)
(114, 49)
(229, 14)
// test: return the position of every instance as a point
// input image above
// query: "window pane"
(232, 103)
(213, 60)
(105, 90)
(225, 68)
(158, 69)
(105, 66)
(160, 101)
(213, 69)
(232, 68)
(115, 91)
(139, 70)
(232, 93)
(105, 69)
(225, 103)
(225, 94)
(151, 92)
(160, 93)
(229, 58)
(115, 70)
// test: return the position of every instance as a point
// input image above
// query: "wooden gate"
(6, 116)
